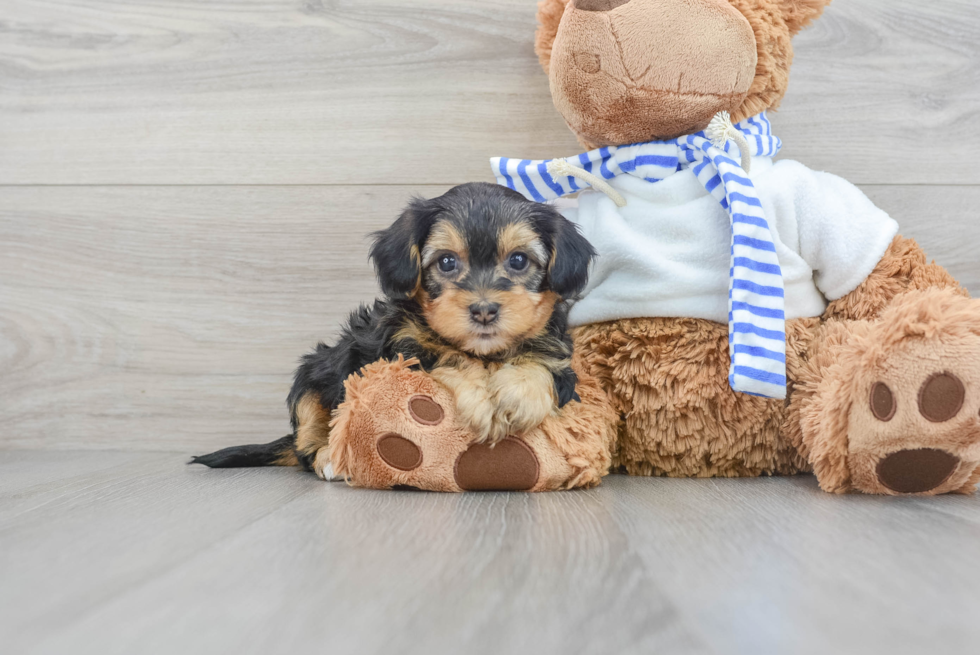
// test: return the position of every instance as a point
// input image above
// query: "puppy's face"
(483, 282)
(486, 265)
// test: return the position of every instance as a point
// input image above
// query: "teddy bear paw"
(920, 438)
(913, 426)
(507, 465)
(399, 428)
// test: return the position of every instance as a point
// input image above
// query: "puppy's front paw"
(522, 396)
(323, 468)
(474, 410)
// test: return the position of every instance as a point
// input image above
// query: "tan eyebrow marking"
(521, 236)
(444, 236)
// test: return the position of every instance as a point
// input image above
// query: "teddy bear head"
(630, 71)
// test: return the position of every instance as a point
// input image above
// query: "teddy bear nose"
(484, 313)
(598, 5)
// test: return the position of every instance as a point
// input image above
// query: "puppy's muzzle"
(484, 312)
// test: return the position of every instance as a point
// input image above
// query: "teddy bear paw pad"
(941, 397)
(425, 410)
(401, 453)
(398, 452)
(509, 465)
(916, 471)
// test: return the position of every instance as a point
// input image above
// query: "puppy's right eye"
(447, 263)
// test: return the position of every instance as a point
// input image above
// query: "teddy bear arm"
(903, 268)
(399, 427)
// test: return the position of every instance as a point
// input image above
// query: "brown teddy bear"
(845, 353)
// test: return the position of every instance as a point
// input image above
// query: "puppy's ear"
(571, 255)
(396, 250)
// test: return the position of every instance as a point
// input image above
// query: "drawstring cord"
(719, 131)
(561, 168)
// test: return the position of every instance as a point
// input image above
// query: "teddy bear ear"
(549, 17)
(800, 13)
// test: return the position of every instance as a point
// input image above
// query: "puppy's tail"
(275, 453)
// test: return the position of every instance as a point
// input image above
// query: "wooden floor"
(185, 193)
(123, 552)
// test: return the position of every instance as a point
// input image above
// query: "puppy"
(476, 284)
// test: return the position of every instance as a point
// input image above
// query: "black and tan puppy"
(476, 284)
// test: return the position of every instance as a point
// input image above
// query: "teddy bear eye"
(587, 62)
(447, 263)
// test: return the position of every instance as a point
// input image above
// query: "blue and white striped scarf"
(756, 317)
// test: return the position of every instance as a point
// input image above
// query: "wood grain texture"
(142, 310)
(171, 318)
(136, 552)
(415, 92)
(776, 566)
(167, 558)
(880, 90)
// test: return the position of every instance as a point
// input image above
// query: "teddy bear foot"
(912, 423)
(398, 428)
(920, 431)
(509, 465)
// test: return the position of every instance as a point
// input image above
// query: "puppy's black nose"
(484, 313)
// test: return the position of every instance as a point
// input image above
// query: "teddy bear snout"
(634, 71)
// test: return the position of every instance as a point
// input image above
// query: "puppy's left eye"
(518, 261)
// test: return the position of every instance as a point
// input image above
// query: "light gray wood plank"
(191, 560)
(155, 557)
(73, 544)
(880, 88)
(172, 318)
(371, 91)
(945, 221)
(777, 566)
(169, 318)
(379, 92)
(21, 471)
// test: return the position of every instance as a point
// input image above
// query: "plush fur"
(667, 378)
(905, 339)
